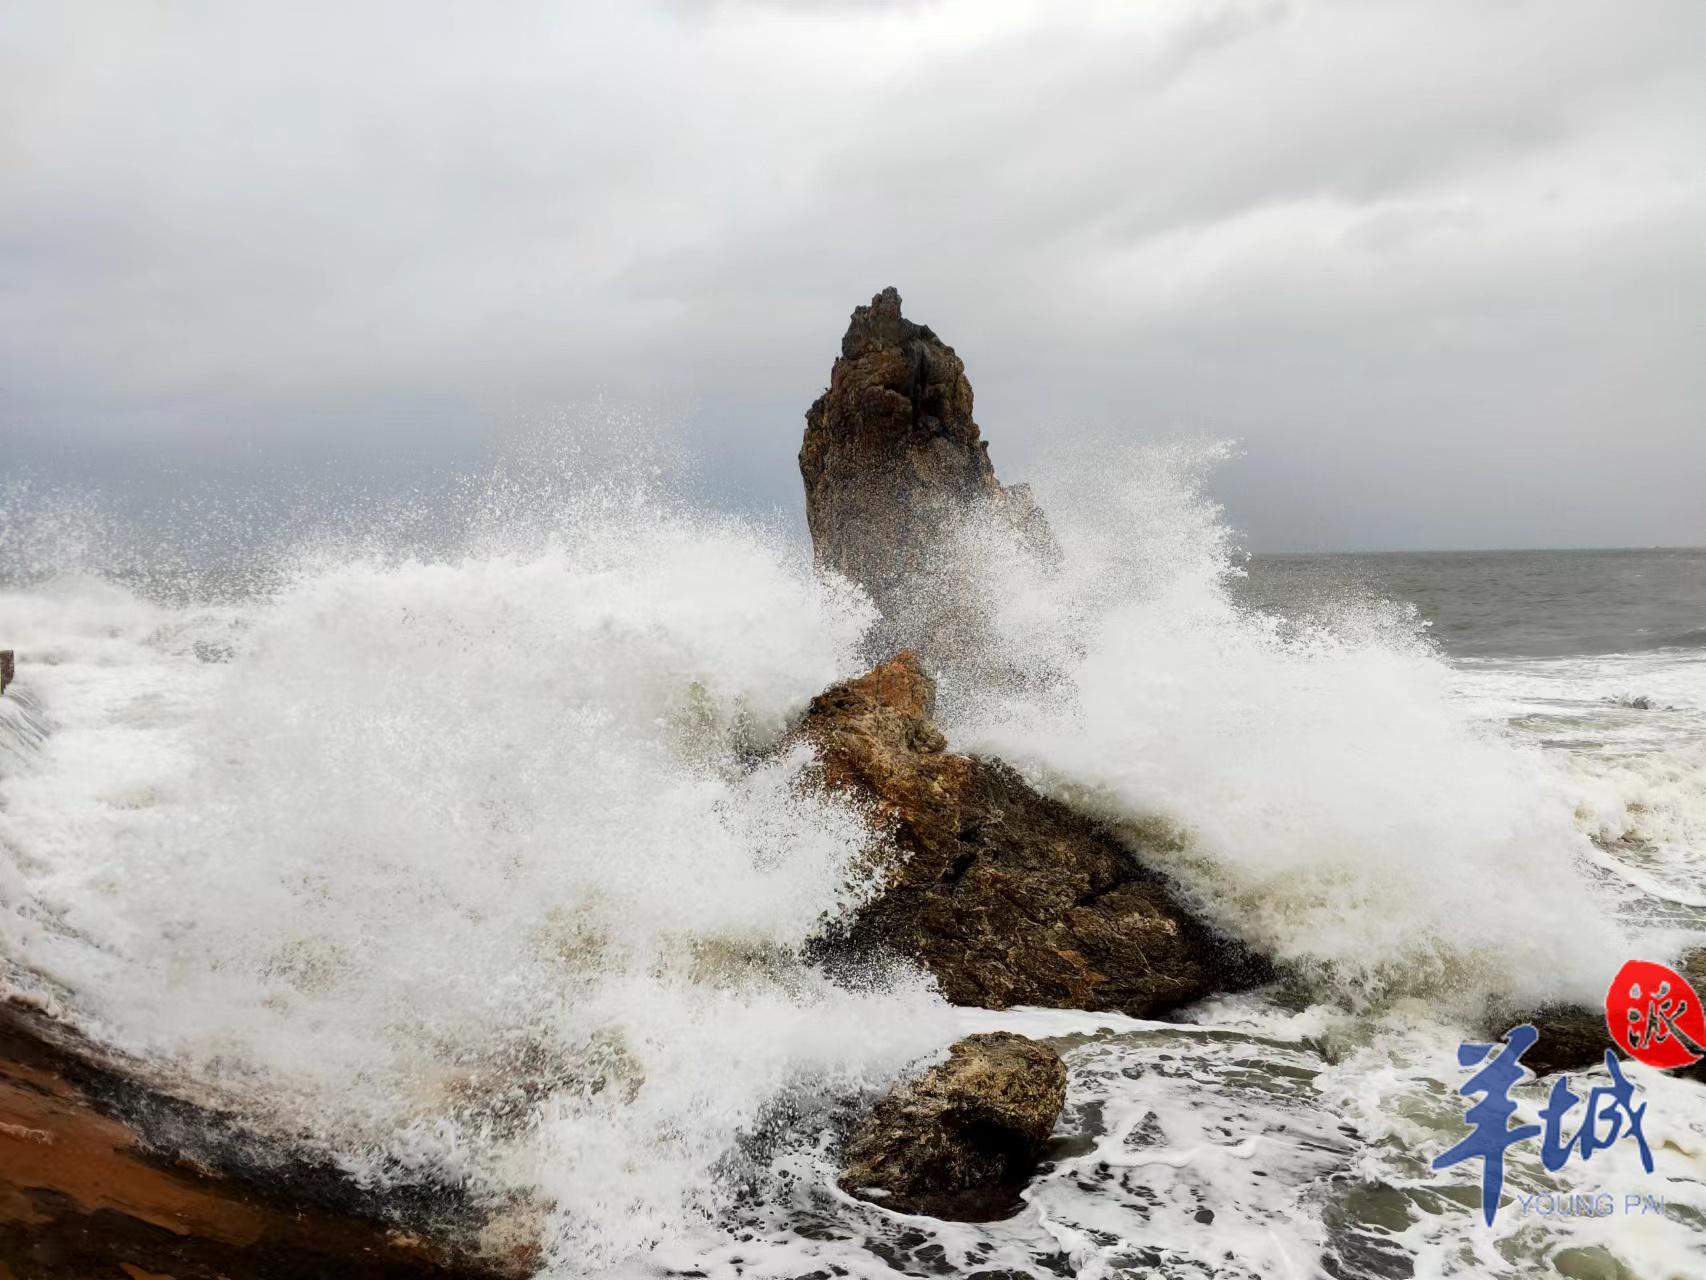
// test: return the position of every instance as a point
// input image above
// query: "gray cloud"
(1437, 263)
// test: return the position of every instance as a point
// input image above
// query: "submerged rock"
(893, 464)
(1572, 1037)
(959, 1141)
(1007, 896)
(1575, 1037)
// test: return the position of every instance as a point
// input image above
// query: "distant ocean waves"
(1686, 640)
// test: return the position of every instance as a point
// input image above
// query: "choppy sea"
(454, 859)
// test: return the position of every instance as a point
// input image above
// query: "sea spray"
(1333, 804)
(462, 867)
(451, 841)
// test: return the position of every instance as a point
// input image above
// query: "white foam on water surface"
(1333, 800)
(473, 862)
(462, 866)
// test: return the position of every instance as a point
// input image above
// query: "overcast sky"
(1439, 265)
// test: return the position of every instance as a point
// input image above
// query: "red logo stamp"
(1655, 1016)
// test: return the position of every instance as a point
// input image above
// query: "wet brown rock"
(102, 1174)
(1572, 1038)
(1007, 896)
(1692, 965)
(959, 1141)
(1575, 1037)
(893, 464)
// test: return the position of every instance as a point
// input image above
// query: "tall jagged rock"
(1006, 896)
(894, 465)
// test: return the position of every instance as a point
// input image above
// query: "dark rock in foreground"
(1575, 1037)
(1572, 1037)
(103, 1174)
(1007, 896)
(893, 464)
(961, 1140)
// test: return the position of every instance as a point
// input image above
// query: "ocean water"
(464, 857)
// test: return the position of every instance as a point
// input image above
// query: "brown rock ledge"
(98, 1179)
(1007, 896)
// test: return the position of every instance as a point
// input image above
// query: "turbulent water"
(463, 856)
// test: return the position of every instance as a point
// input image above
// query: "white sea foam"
(459, 865)
(1338, 805)
(462, 862)
(1629, 732)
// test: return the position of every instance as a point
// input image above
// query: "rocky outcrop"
(1572, 1037)
(102, 1174)
(960, 1141)
(1007, 896)
(1575, 1037)
(893, 465)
